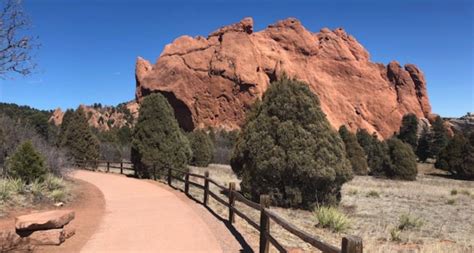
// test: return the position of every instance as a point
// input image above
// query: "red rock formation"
(103, 118)
(212, 81)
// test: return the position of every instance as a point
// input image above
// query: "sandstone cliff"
(212, 81)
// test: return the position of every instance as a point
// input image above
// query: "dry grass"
(437, 226)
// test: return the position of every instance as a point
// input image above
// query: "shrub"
(409, 130)
(458, 157)
(425, 143)
(406, 222)
(354, 151)
(52, 183)
(330, 217)
(373, 194)
(202, 148)
(157, 139)
(451, 201)
(454, 192)
(403, 161)
(223, 142)
(288, 150)
(58, 195)
(26, 164)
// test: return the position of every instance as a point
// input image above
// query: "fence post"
(264, 224)
(154, 172)
(206, 187)
(121, 167)
(169, 176)
(352, 244)
(186, 184)
(231, 202)
(108, 167)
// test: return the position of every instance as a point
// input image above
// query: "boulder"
(47, 237)
(213, 81)
(44, 220)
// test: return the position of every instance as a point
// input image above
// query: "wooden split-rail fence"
(349, 244)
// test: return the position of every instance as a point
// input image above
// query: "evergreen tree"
(287, 149)
(64, 125)
(202, 148)
(378, 158)
(424, 148)
(440, 136)
(409, 130)
(365, 140)
(458, 157)
(26, 164)
(157, 140)
(402, 160)
(354, 151)
(78, 138)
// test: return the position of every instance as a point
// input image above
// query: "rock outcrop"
(213, 81)
(104, 118)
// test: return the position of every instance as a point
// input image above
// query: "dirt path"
(140, 217)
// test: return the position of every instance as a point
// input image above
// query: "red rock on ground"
(44, 220)
(47, 237)
(213, 81)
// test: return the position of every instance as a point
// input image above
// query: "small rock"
(59, 204)
(43, 220)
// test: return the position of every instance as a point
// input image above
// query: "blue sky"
(89, 48)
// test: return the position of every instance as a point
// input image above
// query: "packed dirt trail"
(141, 217)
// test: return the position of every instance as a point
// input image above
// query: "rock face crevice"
(219, 77)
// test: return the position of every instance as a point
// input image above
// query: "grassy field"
(432, 214)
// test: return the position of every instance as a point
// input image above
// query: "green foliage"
(424, 148)
(157, 139)
(409, 130)
(373, 194)
(288, 150)
(26, 164)
(354, 151)
(331, 218)
(202, 148)
(403, 160)
(38, 119)
(440, 136)
(377, 155)
(78, 138)
(67, 118)
(458, 157)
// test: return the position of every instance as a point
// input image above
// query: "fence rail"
(349, 244)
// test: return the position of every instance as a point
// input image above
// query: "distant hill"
(462, 124)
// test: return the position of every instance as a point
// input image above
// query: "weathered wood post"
(206, 187)
(121, 167)
(231, 202)
(352, 244)
(154, 172)
(264, 224)
(186, 184)
(169, 176)
(108, 167)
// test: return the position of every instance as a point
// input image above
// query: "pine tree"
(409, 130)
(365, 140)
(402, 160)
(424, 148)
(287, 149)
(202, 148)
(355, 153)
(458, 157)
(157, 140)
(64, 125)
(440, 136)
(26, 164)
(378, 157)
(78, 138)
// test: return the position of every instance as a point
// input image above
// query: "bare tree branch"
(15, 47)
